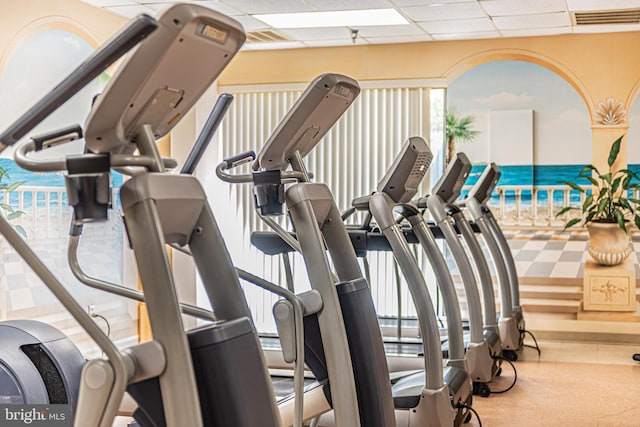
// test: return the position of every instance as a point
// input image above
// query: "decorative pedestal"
(609, 288)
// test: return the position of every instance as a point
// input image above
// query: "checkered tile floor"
(553, 253)
(99, 256)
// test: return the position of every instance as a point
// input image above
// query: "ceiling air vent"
(627, 16)
(264, 36)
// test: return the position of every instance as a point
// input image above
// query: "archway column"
(601, 139)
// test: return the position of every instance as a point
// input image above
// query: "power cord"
(465, 406)
(515, 375)
(92, 313)
(523, 333)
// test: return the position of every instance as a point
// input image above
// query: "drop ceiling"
(427, 20)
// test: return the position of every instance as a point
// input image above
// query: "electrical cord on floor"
(515, 375)
(464, 405)
(536, 347)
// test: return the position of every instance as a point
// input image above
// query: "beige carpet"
(564, 394)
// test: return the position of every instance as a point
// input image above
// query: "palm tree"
(458, 128)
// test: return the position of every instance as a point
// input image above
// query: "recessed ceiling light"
(341, 18)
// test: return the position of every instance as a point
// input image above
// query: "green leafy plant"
(10, 213)
(608, 201)
(458, 128)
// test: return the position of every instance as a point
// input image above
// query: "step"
(550, 305)
(550, 281)
(551, 292)
(554, 327)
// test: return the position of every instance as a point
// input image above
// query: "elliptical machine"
(393, 195)
(176, 59)
(484, 348)
(512, 323)
(344, 328)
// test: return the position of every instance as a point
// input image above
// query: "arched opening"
(633, 137)
(534, 124)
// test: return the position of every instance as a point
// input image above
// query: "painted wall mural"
(37, 202)
(533, 124)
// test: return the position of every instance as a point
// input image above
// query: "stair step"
(550, 305)
(551, 292)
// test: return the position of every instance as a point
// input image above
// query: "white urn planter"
(608, 243)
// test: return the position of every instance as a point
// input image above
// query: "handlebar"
(121, 161)
(244, 158)
(211, 125)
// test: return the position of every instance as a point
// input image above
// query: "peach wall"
(599, 66)
(31, 16)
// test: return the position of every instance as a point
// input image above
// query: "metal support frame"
(343, 390)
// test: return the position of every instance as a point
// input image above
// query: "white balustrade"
(526, 205)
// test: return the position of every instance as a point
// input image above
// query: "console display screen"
(343, 90)
(213, 33)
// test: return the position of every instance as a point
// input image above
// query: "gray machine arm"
(446, 191)
(511, 322)
(482, 268)
(475, 202)
(381, 207)
(445, 284)
(123, 291)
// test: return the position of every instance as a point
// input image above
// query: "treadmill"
(484, 348)
(343, 327)
(393, 195)
(177, 378)
(511, 323)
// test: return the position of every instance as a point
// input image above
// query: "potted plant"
(608, 211)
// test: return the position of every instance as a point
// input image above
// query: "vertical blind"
(350, 159)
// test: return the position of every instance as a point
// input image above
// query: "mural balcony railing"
(526, 205)
(44, 211)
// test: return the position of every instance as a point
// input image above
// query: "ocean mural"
(532, 123)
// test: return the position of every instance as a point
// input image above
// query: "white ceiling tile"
(322, 33)
(269, 6)
(467, 36)
(131, 11)
(106, 3)
(403, 3)
(589, 5)
(218, 6)
(250, 23)
(273, 45)
(545, 20)
(400, 39)
(156, 6)
(391, 30)
(336, 42)
(328, 5)
(439, 11)
(536, 32)
(437, 19)
(521, 7)
(462, 26)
